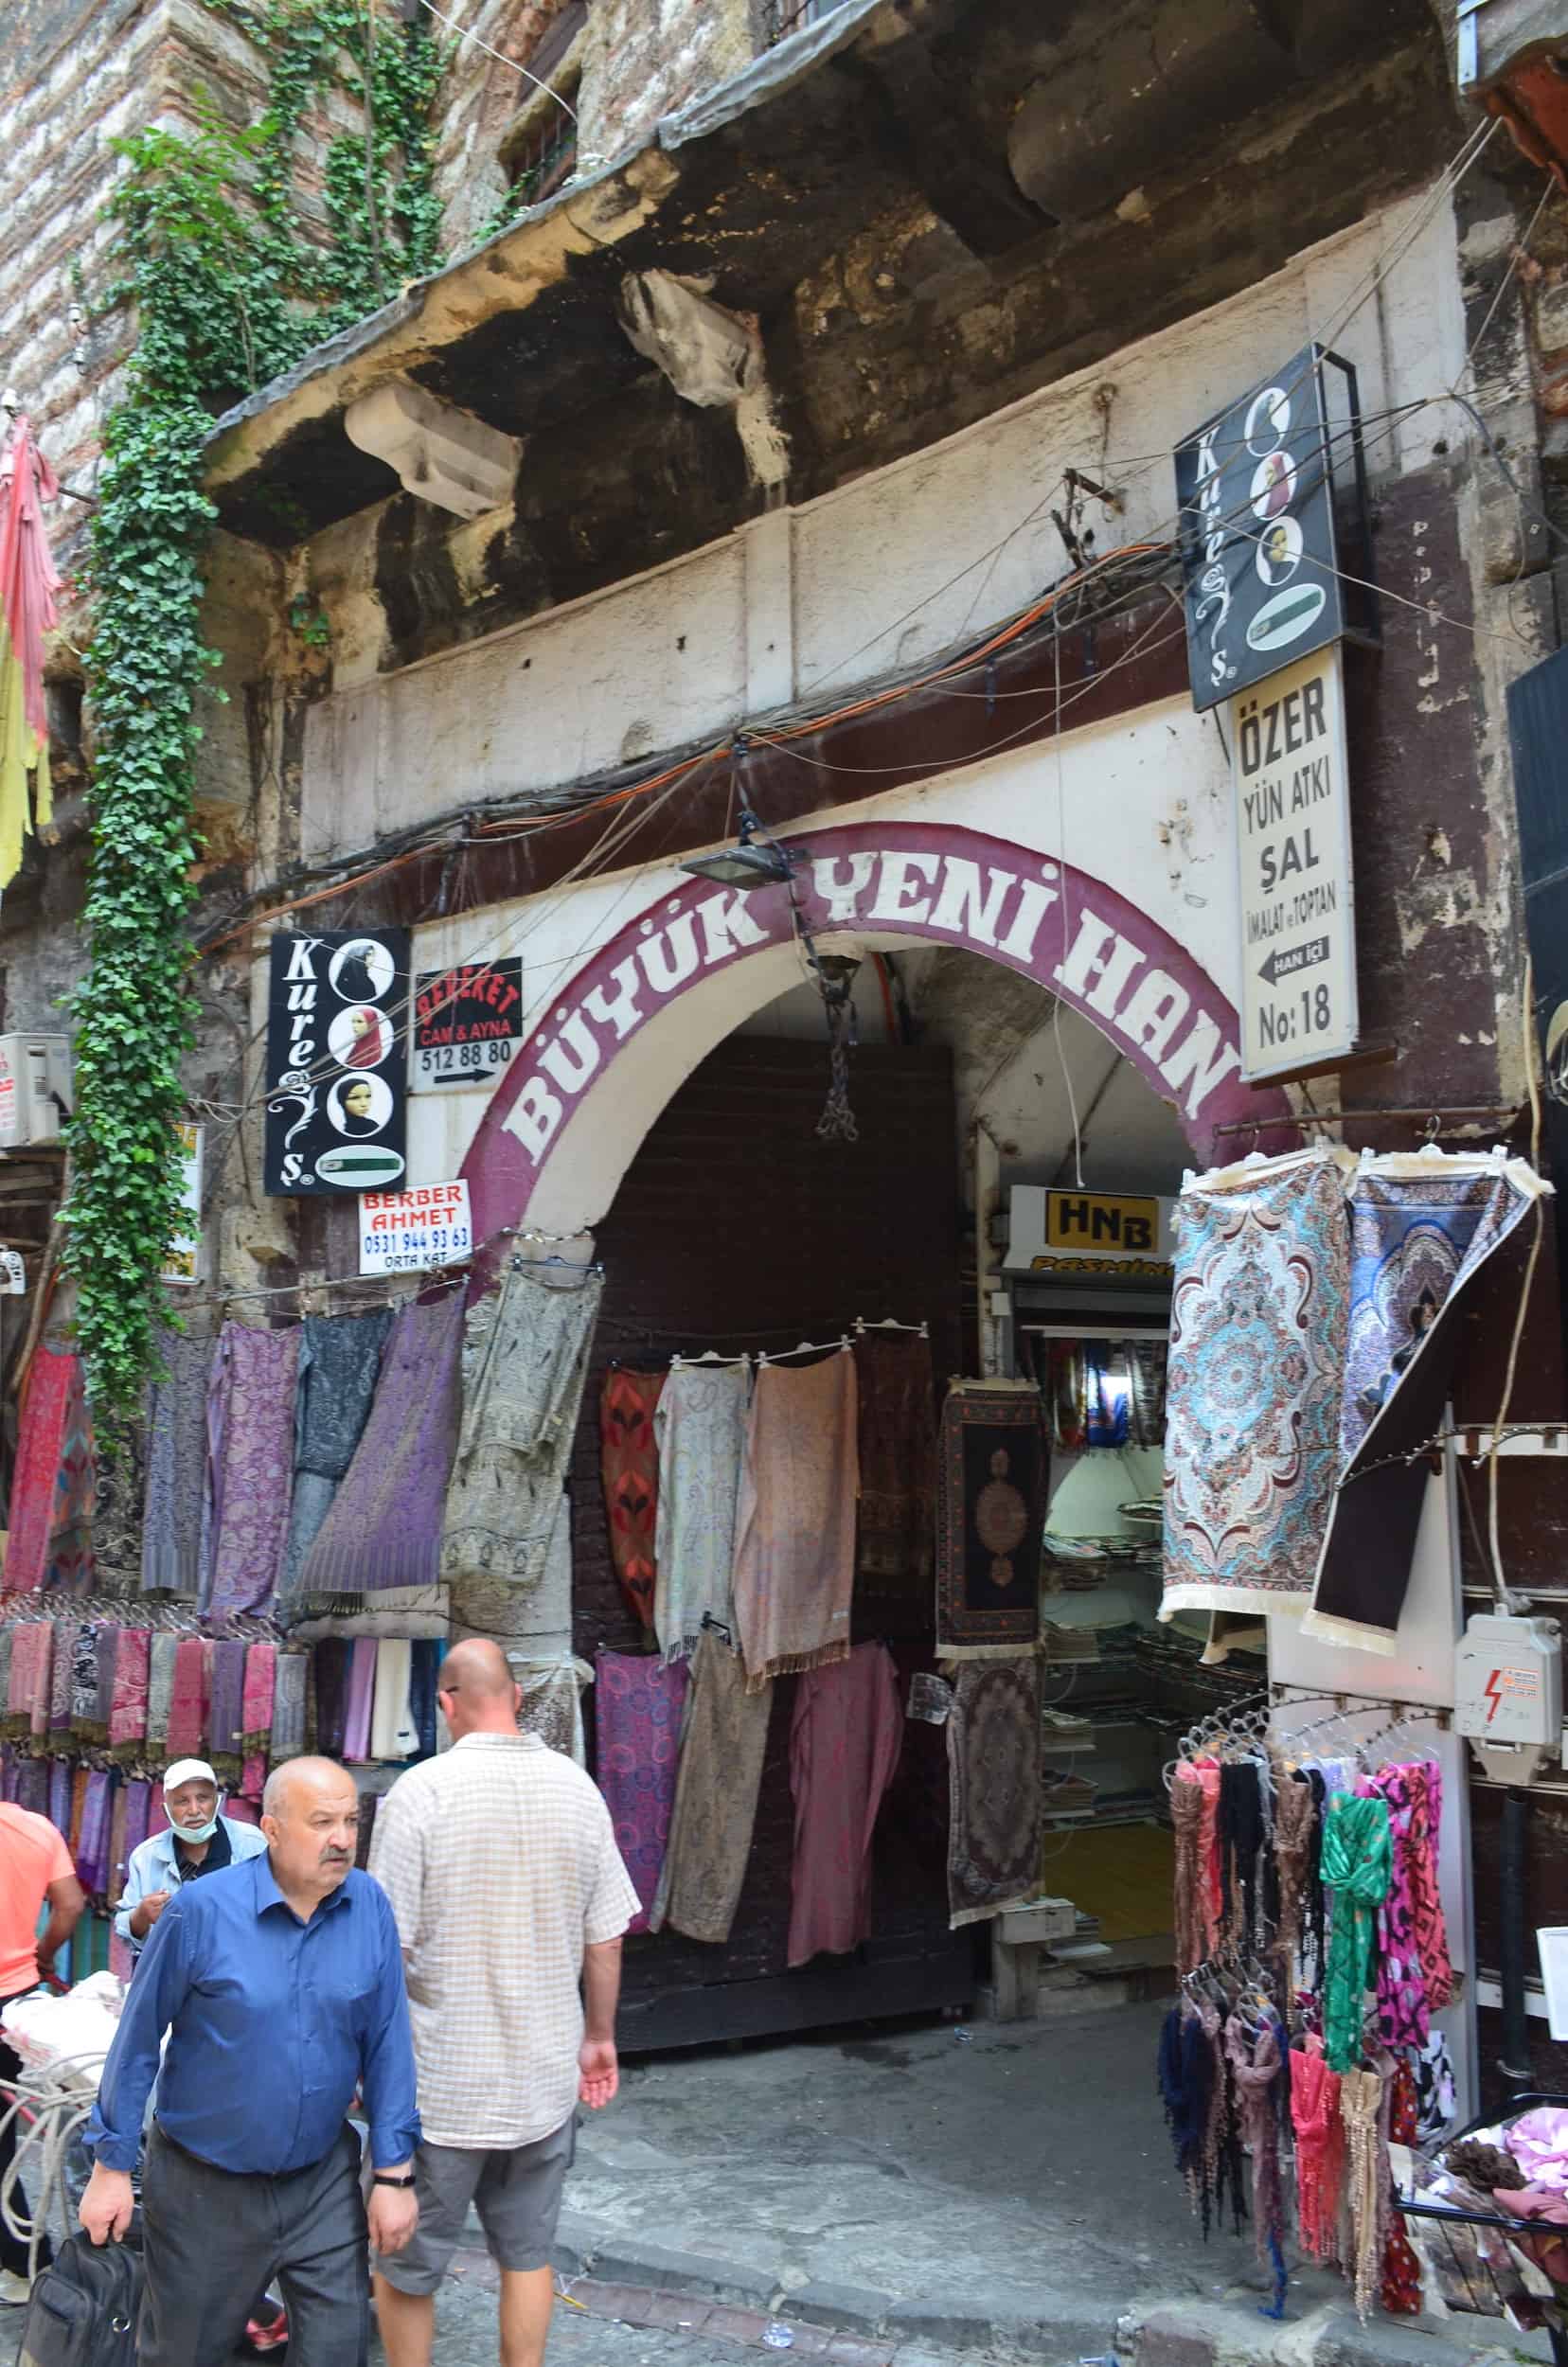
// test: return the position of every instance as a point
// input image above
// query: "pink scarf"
(260, 1675)
(127, 1703)
(187, 1704)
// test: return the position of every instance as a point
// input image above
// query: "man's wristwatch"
(384, 2177)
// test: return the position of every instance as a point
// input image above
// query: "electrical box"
(35, 1089)
(1508, 1694)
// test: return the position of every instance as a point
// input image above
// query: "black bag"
(83, 2311)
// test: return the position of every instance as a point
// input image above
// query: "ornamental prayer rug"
(1422, 1224)
(1258, 1330)
(993, 1473)
(994, 1791)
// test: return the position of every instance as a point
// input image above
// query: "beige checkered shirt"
(501, 1865)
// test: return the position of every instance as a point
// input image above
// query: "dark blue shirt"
(273, 2024)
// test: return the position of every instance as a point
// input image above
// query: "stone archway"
(647, 1005)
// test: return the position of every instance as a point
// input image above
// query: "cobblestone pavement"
(600, 2324)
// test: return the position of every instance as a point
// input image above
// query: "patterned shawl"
(256, 1720)
(638, 1705)
(62, 1678)
(84, 1681)
(7, 1637)
(629, 1463)
(385, 1525)
(227, 1723)
(91, 1848)
(1422, 1225)
(29, 1683)
(340, 1361)
(119, 1821)
(525, 1363)
(330, 1662)
(552, 1702)
(288, 1727)
(897, 1455)
(795, 1542)
(1254, 1383)
(700, 1426)
(250, 1433)
(723, 1747)
(188, 1701)
(45, 1491)
(173, 1528)
(128, 1700)
(1357, 1865)
(160, 1693)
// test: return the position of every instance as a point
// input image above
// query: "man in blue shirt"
(280, 1984)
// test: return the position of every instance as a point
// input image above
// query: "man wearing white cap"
(198, 1841)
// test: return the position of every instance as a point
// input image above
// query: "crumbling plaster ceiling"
(929, 133)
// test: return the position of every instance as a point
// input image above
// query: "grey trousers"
(216, 2239)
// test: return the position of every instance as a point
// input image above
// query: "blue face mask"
(194, 1833)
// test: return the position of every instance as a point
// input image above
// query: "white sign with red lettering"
(411, 1232)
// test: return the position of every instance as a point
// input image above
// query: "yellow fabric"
(20, 753)
(1123, 1874)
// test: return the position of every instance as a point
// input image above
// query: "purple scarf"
(225, 1719)
(385, 1526)
(250, 1441)
(362, 1686)
(138, 1805)
(60, 1796)
(637, 1703)
(92, 1862)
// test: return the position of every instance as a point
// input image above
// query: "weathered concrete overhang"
(1071, 174)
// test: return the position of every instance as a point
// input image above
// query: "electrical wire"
(464, 34)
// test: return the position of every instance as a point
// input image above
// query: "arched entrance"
(650, 1003)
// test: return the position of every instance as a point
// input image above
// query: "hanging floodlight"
(751, 862)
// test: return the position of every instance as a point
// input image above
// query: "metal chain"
(837, 1122)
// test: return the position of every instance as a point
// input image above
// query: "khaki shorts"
(516, 2191)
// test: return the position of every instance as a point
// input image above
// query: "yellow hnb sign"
(1101, 1220)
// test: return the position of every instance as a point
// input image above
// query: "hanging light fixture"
(752, 862)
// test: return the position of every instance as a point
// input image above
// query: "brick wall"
(736, 1227)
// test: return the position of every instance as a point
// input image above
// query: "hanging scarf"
(128, 1701)
(1431, 1926)
(1255, 2063)
(160, 1694)
(187, 1700)
(1361, 2098)
(1294, 1816)
(424, 1668)
(225, 1727)
(1320, 2149)
(119, 1823)
(63, 1679)
(138, 1807)
(1187, 1816)
(84, 1682)
(91, 1848)
(41, 1683)
(629, 1464)
(1314, 1920)
(256, 1717)
(290, 1678)
(361, 1687)
(58, 1796)
(1240, 1844)
(7, 1638)
(29, 1671)
(331, 1656)
(1184, 2070)
(1401, 2271)
(1357, 1857)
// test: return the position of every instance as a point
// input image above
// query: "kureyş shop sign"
(1255, 487)
(337, 1062)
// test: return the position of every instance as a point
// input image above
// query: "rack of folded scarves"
(1313, 1953)
(99, 1696)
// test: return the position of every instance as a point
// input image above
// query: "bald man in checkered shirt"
(512, 1899)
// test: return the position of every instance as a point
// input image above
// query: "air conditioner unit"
(35, 1089)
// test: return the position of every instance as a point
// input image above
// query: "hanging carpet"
(385, 1525)
(993, 1475)
(250, 1435)
(173, 1523)
(897, 1455)
(340, 1361)
(995, 1798)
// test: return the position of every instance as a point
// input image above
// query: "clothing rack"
(1435, 1121)
(1280, 1693)
(135, 1610)
(862, 1330)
